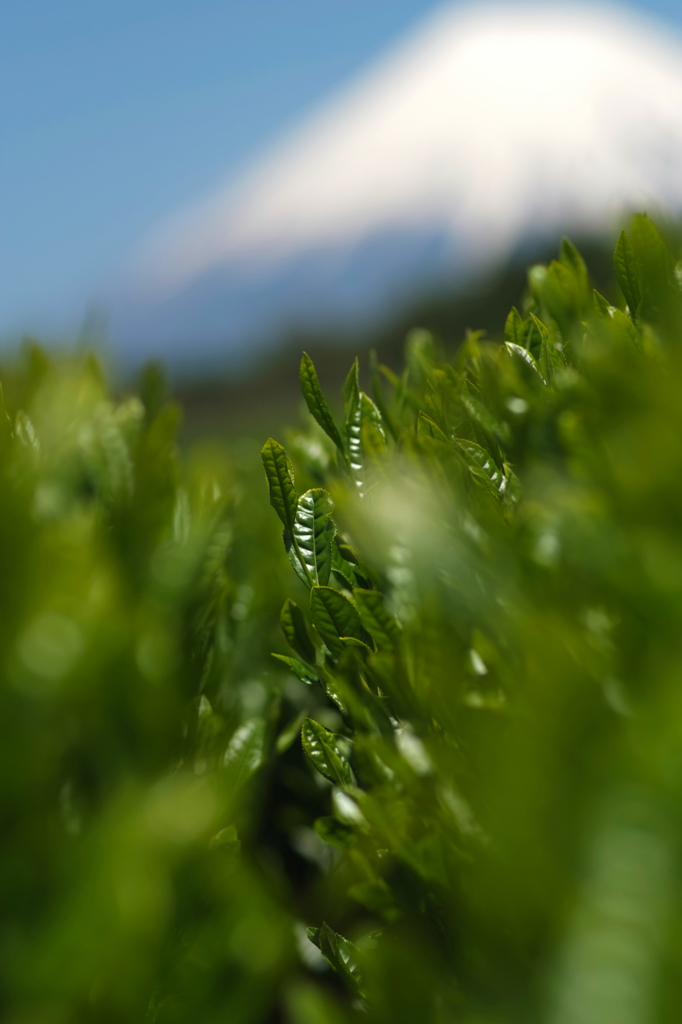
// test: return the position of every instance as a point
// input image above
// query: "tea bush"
(416, 754)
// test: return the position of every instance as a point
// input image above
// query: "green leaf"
(351, 393)
(278, 471)
(372, 433)
(420, 354)
(244, 754)
(426, 427)
(551, 361)
(481, 465)
(379, 397)
(562, 295)
(25, 433)
(523, 353)
(351, 389)
(364, 431)
(300, 670)
(316, 402)
(226, 841)
(341, 954)
(602, 304)
(343, 569)
(297, 562)
(314, 531)
(293, 624)
(322, 748)
(334, 617)
(346, 562)
(331, 688)
(571, 258)
(660, 290)
(347, 551)
(356, 571)
(376, 618)
(289, 734)
(651, 251)
(515, 330)
(481, 415)
(628, 273)
(351, 641)
(625, 330)
(334, 832)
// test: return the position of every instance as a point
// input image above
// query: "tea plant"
(493, 567)
(126, 606)
(452, 793)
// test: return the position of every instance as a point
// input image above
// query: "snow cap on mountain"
(491, 123)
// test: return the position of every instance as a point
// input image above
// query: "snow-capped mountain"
(490, 124)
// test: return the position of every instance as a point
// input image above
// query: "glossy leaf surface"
(278, 471)
(523, 353)
(334, 617)
(322, 748)
(316, 402)
(481, 465)
(298, 668)
(314, 533)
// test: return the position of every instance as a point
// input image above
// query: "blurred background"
(219, 184)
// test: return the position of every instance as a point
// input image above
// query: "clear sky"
(115, 113)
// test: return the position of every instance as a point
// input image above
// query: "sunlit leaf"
(316, 402)
(514, 329)
(481, 465)
(365, 435)
(323, 750)
(314, 531)
(279, 473)
(298, 668)
(628, 273)
(341, 954)
(297, 562)
(523, 353)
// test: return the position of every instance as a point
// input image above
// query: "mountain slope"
(492, 124)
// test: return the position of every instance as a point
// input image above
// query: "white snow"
(492, 120)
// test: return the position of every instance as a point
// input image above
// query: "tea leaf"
(322, 749)
(376, 619)
(514, 329)
(295, 631)
(316, 402)
(335, 617)
(245, 751)
(341, 954)
(279, 473)
(627, 272)
(300, 670)
(481, 465)
(523, 353)
(314, 531)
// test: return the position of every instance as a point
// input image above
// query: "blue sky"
(115, 113)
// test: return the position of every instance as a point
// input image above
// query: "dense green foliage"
(422, 761)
